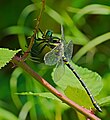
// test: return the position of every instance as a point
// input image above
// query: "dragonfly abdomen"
(65, 60)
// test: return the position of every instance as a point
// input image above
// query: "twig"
(35, 31)
(62, 97)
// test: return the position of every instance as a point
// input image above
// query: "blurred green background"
(83, 21)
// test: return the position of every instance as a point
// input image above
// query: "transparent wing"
(59, 71)
(62, 35)
(68, 50)
(52, 57)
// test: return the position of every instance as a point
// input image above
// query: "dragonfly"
(40, 43)
(60, 55)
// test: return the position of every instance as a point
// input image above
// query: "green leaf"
(93, 43)
(21, 22)
(81, 38)
(92, 9)
(74, 90)
(6, 55)
(79, 96)
(91, 79)
(104, 101)
(17, 30)
(6, 115)
(13, 86)
(25, 110)
(46, 95)
(55, 15)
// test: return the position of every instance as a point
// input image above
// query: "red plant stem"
(35, 31)
(16, 60)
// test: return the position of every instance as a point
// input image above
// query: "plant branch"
(17, 60)
(35, 31)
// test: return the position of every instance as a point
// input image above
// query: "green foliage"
(86, 23)
(73, 89)
(90, 9)
(98, 40)
(6, 56)
(78, 95)
(6, 115)
(25, 109)
(105, 101)
(89, 77)
(13, 86)
(45, 94)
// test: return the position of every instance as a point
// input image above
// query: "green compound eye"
(49, 33)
